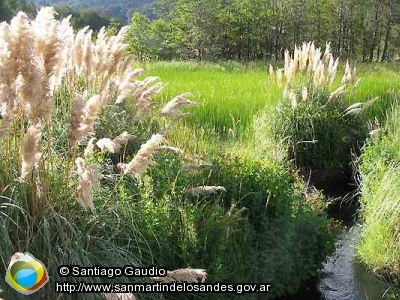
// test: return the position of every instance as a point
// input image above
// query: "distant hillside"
(121, 9)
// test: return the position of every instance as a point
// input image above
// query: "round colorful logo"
(26, 274)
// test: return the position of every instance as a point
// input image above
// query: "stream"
(343, 276)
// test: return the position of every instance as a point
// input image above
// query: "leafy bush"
(291, 238)
(263, 229)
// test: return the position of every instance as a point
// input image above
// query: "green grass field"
(231, 94)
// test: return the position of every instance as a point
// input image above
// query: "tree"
(5, 11)
(139, 38)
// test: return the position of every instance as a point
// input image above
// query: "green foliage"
(228, 94)
(58, 241)
(288, 239)
(83, 18)
(5, 11)
(317, 133)
(55, 229)
(380, 211)
(139, 37)
(8, 8)
(263, 230)
(111, 237)
(259, 29)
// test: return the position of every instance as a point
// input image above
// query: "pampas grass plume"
(142, 159)
(29, 150)
(184, 275)
(114, 146)
(89, 177)
(172, 108)
(205, 190)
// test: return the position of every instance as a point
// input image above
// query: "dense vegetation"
(72, 195)
(8, 8)
(224, 122)
(215, 184)
(259, 29)
(380, 247)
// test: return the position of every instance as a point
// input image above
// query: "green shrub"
(262, 230)
(290, 238)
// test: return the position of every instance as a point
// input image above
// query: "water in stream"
(343, 278)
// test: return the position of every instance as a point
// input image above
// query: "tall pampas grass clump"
(310, 70)
(60, 92)
(313, 121)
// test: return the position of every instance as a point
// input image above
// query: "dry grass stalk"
(91, 112)
(338, 92)
(195, 163)
(102, 65)
(271, 72)
(35, 62)
(173, 122)
(48, 42)
(123, 138)
(349, 76)
(174, 150)
(356, 108)
(184, 275)
(318, 68)
(172, 108)
(83, 118)
(27, 69)
(8, 98)
(374, 132)
(76, 119)
(205, 190)
(119, 296)
(304, 93)
(126, 83)
(293, 99)
(89, 150)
